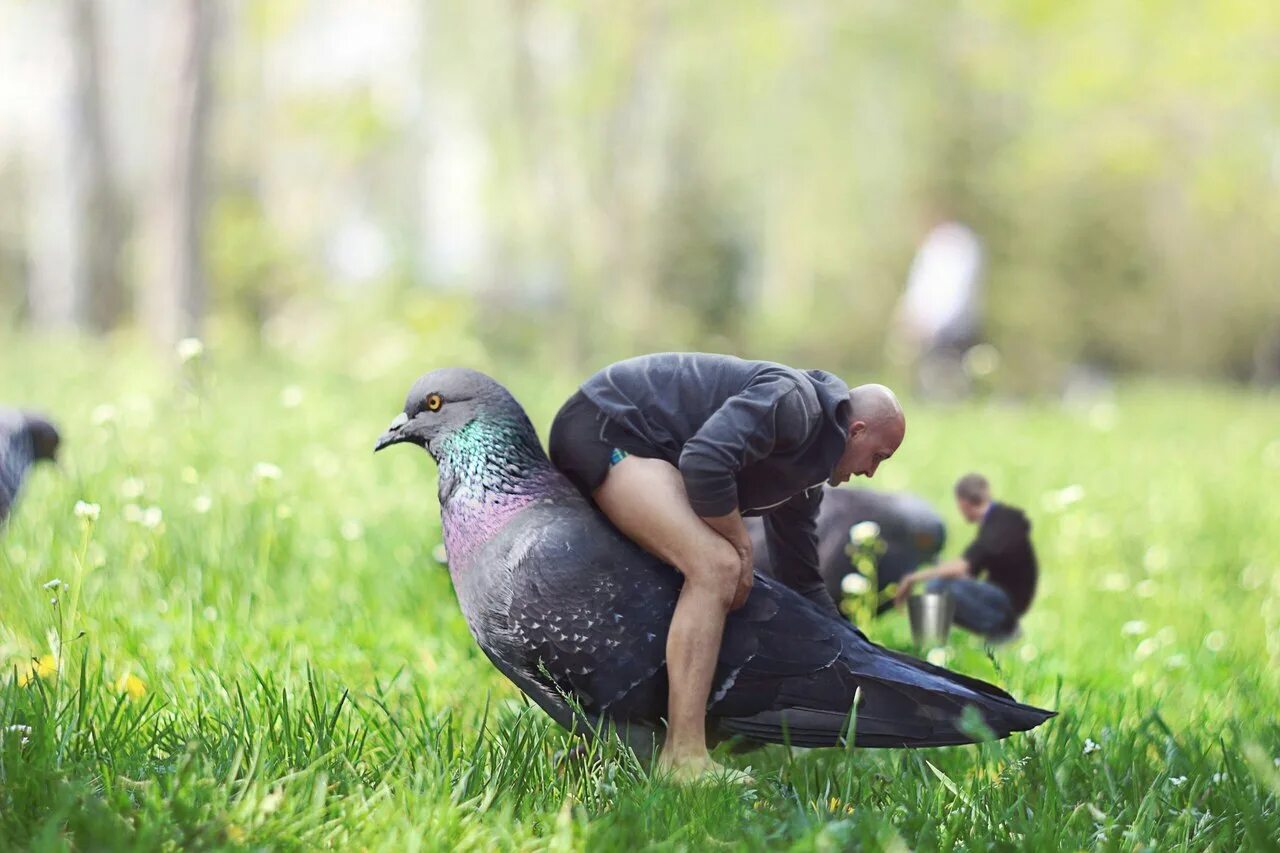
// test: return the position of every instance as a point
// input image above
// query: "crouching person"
(993, 583)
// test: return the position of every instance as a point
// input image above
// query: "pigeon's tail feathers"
(935, 708)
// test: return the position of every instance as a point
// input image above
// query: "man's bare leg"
(646, 500)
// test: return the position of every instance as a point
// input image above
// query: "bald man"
(676, 448)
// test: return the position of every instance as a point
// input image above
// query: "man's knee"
(715, 571)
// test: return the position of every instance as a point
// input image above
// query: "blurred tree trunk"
(75, 281)
(101, 214)
(174, 299)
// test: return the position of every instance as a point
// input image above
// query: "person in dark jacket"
(995, 580)
(910, 529)
(676, 448)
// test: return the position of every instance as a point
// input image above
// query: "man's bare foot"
(700, 768)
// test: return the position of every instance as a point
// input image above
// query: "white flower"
(1114, 582)
(87, 511)
(1063, 498)
(1214, 641)
(937, 657)
(151, 517)
(291, 397)
(1146, 649)
(440, 555)
(202, 504)
(19, 729)
(863, 531)
(1177, 781)
(102, 415)
(1146, 588)
(266, 471)
(1090, 746)
(351, 530)
(54, 584)
(854, 584)
(1071, 494)
(133, 513)
(189, 349)
(132, 487)
(1219, 778)
(1133, 628)
(1175, 661)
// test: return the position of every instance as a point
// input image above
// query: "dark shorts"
(577, 445)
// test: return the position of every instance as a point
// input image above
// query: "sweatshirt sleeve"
(767, 414)
(791, 535)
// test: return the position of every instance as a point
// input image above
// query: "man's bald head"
(877, 426)
(877, 406)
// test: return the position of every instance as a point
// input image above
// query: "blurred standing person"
(937, 319)
(990, 606)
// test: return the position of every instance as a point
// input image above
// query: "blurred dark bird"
(577, 615)
(25, 439)
(910, 532)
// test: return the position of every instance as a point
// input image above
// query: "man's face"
(972, 512)
(864, 450)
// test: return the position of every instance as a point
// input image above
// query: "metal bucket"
(931, 614)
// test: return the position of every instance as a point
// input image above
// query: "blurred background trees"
(578, 181)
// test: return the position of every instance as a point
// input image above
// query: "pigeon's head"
(444, 401)
(44, 436)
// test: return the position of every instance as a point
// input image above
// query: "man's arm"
(975, 558)
(791, 535)
(956, 567)
(768, 413)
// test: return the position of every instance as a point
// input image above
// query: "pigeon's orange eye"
(434, 402)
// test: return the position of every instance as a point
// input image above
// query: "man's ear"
(857, 428)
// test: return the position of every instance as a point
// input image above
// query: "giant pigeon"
(577, 615)
(25, 439)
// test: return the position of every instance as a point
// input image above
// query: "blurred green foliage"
(751, 176)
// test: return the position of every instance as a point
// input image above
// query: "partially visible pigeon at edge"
(25, 439)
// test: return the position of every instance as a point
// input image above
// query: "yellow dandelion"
(131, 684)
(43, 667)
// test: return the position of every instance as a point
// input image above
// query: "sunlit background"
(579, 181)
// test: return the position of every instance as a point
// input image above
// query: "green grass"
(301, 676)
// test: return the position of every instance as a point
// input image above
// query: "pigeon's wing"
(589, 614)
(590, 610)
(793, 674)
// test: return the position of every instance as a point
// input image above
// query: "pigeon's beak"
(394, 434)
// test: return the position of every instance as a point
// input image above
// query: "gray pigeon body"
(576, 615)
(24, 440)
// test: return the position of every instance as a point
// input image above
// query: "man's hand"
(731, 528)
(904, 589)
